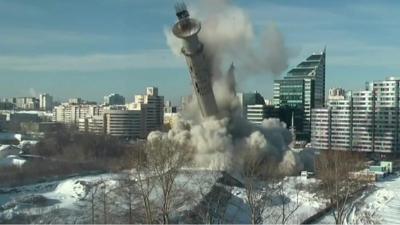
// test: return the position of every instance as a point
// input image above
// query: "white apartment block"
(45, 102)
(71, 113)
(360, 121)
(134, 120)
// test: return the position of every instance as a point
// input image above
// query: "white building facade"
(135, 120)
(45, 102)
(360, 121)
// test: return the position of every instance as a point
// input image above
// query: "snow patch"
(12, 160)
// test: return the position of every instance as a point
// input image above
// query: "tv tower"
(187, 29)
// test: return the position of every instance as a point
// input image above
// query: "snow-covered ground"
(22, 202)
(61, 200)
(298, 194)
(10, 136)
(9, 156)
(382, 205)
(12, 160)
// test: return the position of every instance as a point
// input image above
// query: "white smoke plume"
(33, 92)
(221, 143)
(229, 36)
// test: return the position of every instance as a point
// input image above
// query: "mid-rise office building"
(153, 107)
(251, 98)
(360, 121)
(256, 113)
(45, 102)
(301, 90)
(114, 99)
(119, 123)
(124, 123)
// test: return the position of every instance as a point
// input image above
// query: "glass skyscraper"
(302, 89)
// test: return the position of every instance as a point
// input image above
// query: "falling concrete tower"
(187, 29)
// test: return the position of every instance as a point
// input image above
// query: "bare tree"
(127, 188)
(336, 183)
(259, 177)
(258, 188)
(286, 206)
(368, 217)
(165, 158)
(144, 184)
(213, 199)
(104, 192)
(88, 199)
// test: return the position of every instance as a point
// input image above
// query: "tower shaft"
(200, 70)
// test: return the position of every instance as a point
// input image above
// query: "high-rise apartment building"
(302, 89)
(45, 102)
(114, 99)
(361, 121)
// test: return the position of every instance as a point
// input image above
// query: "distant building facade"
(361, 120)
(169, 108)
(256, 113)
(124, 123)
(134, 120)
(45, 102)
(114, 99)
(250, 98)
(26, 103)
(152, 105)
(71, 113)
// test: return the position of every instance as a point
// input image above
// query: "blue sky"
(90, 48)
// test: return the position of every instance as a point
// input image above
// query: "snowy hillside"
(381, 205)
(64, 201)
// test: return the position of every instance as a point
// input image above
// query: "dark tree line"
(69, 144)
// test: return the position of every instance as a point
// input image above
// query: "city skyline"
(60, 48)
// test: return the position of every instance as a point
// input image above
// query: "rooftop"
(315, 57)
(300, 71)
(308, 64)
